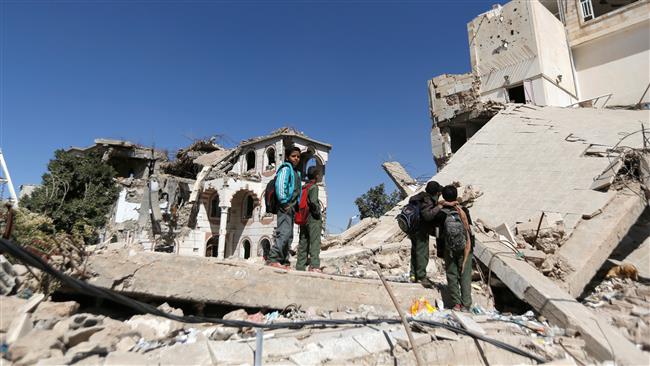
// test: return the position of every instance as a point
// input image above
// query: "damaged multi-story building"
(208, 201)
(566, 53)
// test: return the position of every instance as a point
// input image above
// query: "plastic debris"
(421, 305)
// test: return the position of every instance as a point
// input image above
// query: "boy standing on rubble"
(429, 209)
(458, 240)
(287, 190)
(310, 232)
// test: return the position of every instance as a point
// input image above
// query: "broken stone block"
(220, 333)
(49, 310)
(281, 347)
(37, 344)
(125, 359)
(9, 310)
(229, 352)
(115, 332)
(388, 261)
(239, 314)
(86, 349)
(401, 338)
(374, 341)
(151, 327)
(8, 277)
(170, 310)
(73, 338)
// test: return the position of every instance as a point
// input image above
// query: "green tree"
(377, 202)
(77, 193)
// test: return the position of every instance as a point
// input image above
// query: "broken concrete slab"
(519, 138)
(9, 310)
(215, 281)
(400, 177)
(602, 340)
(592, 241)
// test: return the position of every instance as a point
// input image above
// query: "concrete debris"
(625, 304)
(349, 235)
(8, 280)
(161, 275)
(400, 177)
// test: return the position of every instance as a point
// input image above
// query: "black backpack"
(270, 198)
(409, 219)
(455, 234)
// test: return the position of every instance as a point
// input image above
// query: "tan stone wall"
(580, 31)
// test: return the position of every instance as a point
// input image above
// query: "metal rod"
(407, 327)
(259, 342)
(538, 227)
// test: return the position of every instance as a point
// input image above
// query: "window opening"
(250, 160)
(215, 210)
(212, 247)
(593, 9)
(270, 159)
(517, 94)
(247, 249)
(265, 248)
(248, 207)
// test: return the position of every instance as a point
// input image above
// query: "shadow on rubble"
(639, 232)
(92, 305)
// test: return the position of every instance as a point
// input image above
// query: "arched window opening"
(314, 161)
(215, 210)
(250, 160)
(249, 205)
(264, 248)
(247, 249)
(212, 247)
(270, 159)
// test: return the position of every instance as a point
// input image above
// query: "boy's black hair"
(433, 187)
(450, 193)
(289, 150)
(312, 172)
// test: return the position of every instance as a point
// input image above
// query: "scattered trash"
(421, 305)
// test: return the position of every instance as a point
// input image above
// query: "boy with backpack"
(287, 192)
(458, 242)
(309, 219)
(427, 202)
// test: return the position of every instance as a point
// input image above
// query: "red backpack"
(303, 208)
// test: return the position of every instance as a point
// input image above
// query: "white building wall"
(553, 48)
(260, 226)
(618, 63)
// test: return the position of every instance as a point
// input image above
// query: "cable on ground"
(33, 260)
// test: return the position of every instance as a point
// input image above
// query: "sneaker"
(426, 282)
(458, 307)
(412, 279)
(317, 270)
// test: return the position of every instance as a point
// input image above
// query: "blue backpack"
(409, 219)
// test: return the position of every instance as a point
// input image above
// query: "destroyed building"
(206, 202)
(556, 53)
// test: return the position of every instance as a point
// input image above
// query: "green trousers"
(283, 237)
(309, 245)
(419, 254)
(459, 284)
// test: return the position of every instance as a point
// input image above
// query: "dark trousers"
(419, 254)
(459, 284)
(283, 237)
(309, 245)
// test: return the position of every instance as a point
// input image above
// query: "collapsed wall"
(530, 160)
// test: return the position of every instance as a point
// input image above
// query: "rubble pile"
(184, 165)
(625, 303)
(62, 333)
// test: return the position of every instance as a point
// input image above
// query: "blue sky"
(350, 73)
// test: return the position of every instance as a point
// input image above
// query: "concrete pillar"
(222, 231)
